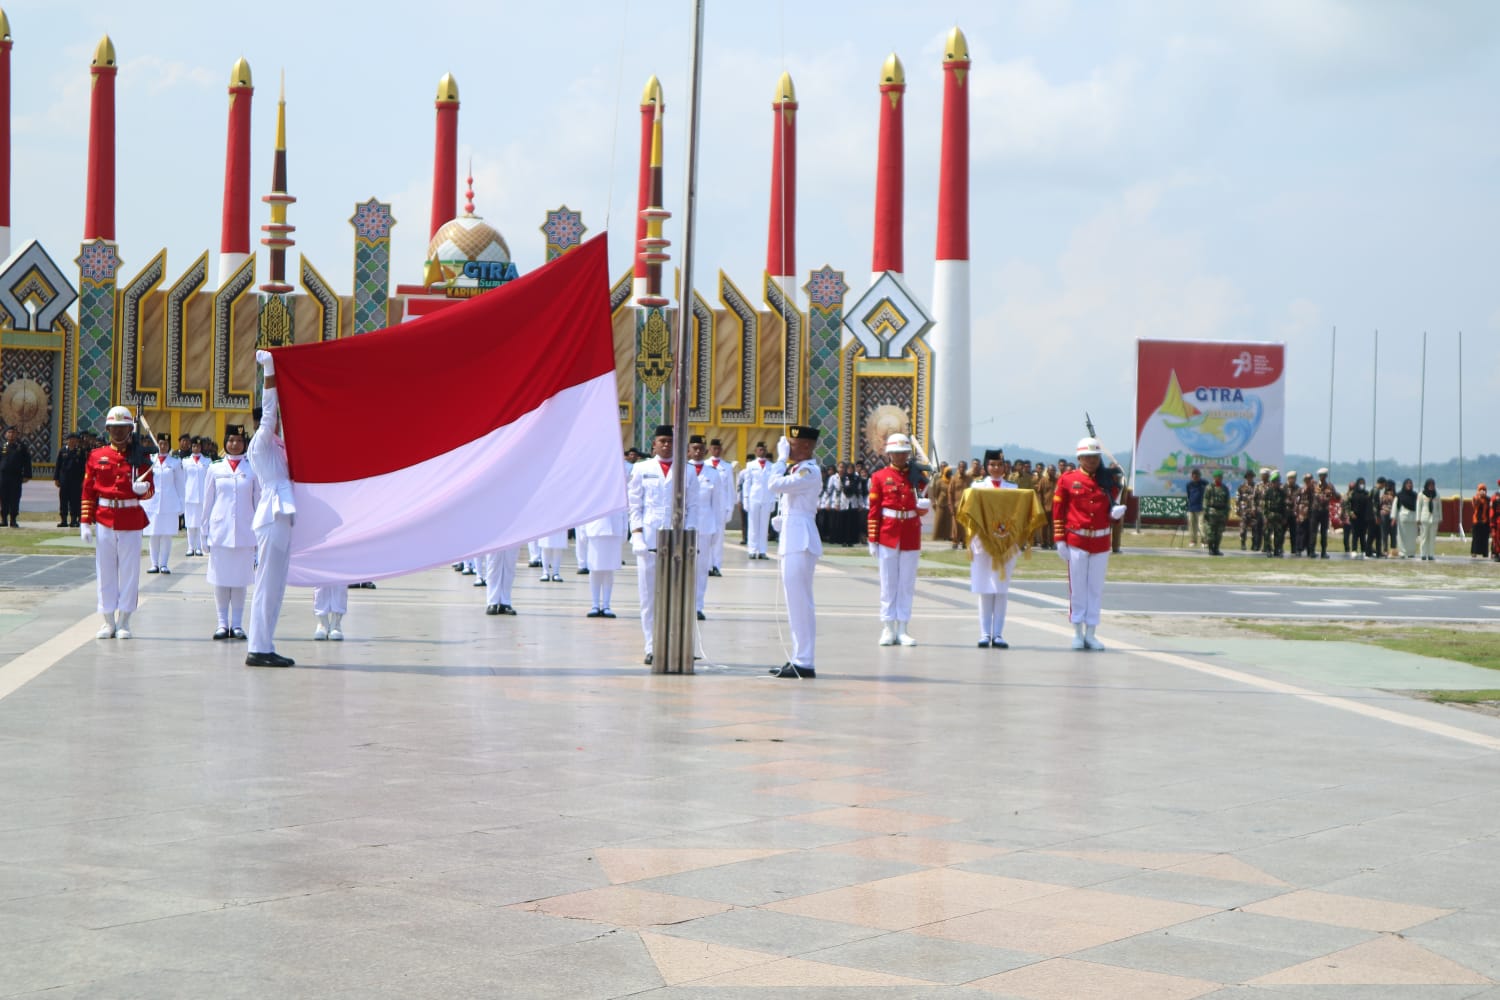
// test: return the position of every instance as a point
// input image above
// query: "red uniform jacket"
(108, 477)
(1080, 513)
(894, 518)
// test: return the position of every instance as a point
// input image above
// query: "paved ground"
(455, 805)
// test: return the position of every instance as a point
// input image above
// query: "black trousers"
(10, 498)
(69, 501)
(1317, 531)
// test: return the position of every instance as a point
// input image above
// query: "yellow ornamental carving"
(654, 363)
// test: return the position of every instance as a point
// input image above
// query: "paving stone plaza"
(449, 804)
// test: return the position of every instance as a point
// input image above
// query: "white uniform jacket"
(755, 483)
(650, 495)
(267, 453)
(713, 495)
(194, 477)
(798, 488)
(230, 497)
(731, 478)
(166, 502)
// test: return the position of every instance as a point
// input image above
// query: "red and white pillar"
(234, 232)
(890, 171)
(651, 99)
(5, 43)
(445, 156)
(781, 240)
(952, 421)
(99, 201)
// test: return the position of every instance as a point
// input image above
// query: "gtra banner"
(1206, 405)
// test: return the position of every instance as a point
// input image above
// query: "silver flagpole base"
(676, 601)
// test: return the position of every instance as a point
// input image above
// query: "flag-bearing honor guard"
(757, 499)
(117, 479)
(274, 514)
(1082, 508)
(230, 495)
(895, 536)
(989, 582)
(797, 480)
(194, 477)
(650, 499)
(714, 493)
(730, 479)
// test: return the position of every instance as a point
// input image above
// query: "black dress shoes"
(268, 660)
(236, 633)
(999, 644)
(606, 613)
(791, 670)
(984, 644)
(715, 572)
(702, 617)
(583, 571)
(221, 633)
(648, 659)
(367, 585)
(492, 609)
(506, 609)
(154, 569)
(594, 613)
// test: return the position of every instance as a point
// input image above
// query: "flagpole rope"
(614, 139)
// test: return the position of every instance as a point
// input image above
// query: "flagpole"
(676, 619)
(1422, 408)
(1333, 351)
(1374, 403)
(1461, 479)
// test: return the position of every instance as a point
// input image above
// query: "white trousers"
(992, 614)
(898, 582)
(645, 588)
(192, 516)
(499, 575)
(1086, 585)
(331, 600)
(117, 564)
(797, 582)
(1427, 538)
(1406, 533)
(552, 562)
(702, 563)
(161, 550)
(273, 550)
(716, 551)
(760, 521)
(581, 547)
(533, 550)
(601, 587)
(230, 604)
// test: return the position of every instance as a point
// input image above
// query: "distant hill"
(1483, 468)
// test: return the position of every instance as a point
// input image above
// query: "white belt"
(103, 502)
(900, 515)
(1090, 532)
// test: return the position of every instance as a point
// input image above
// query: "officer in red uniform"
(1083, 506)
(895, 535)
(115, 481)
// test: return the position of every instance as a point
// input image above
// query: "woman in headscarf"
(942, 527)
(1429, 512)
(1406, 520)
(1479, 511)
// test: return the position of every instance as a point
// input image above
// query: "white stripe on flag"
(553, 468)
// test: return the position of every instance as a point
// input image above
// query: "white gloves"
(924, 504)
(264, 359)
(638, 544)
(1116, 512)
(1063, 548)
(140, 487)
(776, 523)
(783, 449)
(86, 531)
(872, 548)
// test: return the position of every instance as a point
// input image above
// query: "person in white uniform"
(553, 546)
(755, 494)
(797, 480)
(714, 493)
(194, 477)
(729, 477)
(989, 584)
(274, 515)
(164, 506)
(330, 605)
(499, 579)
(230, 495)
(649, 496)
(606, 538)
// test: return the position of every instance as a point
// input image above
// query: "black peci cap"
(802, 431)
(715, 442)
(695, 439)
(993, 455)
(663, 431)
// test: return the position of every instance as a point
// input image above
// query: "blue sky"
(1171, 169)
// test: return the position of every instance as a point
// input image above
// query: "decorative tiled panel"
(825, 320)
(372, 223)
(98, 264)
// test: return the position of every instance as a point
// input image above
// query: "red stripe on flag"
(369, 405)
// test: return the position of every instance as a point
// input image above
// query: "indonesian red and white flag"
(478, 427)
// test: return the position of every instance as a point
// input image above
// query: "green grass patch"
(1475, 646)
(1464, 697)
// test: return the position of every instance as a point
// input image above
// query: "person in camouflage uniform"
(1244, 509)
(1273, 510)
(1324, 498)
(1301, 503)
(1216, 512)
(1263, 543)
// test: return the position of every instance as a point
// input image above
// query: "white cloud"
(1022, 117)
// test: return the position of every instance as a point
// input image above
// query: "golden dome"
(785, 92)
(239, 76)
(104, 55)
(467, 238)
(957, 48)
(652, 93)
(447, 92)
(893, 71)
(4, 27)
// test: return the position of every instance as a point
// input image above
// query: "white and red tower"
(234, 231)
(99, 200)
(651, 105)
(951, 419)
(445, 156)
(781, 240)
(890, 177)
(5, 43)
